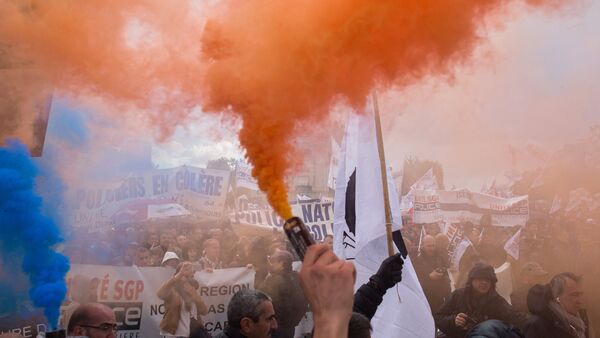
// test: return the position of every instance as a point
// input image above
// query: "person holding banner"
(183, 304)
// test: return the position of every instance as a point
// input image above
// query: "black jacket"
(229, 332)
(435, 290)
(543, 322)
(490, 306)
(366, 300)
(289, 302)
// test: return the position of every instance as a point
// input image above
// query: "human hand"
(460, 320)
(185, 271)
(390, 272)
(328, 285)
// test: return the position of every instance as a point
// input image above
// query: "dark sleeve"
(366, 300)
(506, 313)
(534, 329)
(445, 315)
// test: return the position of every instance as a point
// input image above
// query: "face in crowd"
(571, 299)
(212, 249)
(264, 327)
(428, 245)
(166, 240)
(481, 285)
(143, 257)
(98, 321)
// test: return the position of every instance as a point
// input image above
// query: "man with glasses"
(93, 320)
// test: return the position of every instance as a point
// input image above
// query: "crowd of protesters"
(556, 251)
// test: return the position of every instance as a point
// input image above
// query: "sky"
(534, 83)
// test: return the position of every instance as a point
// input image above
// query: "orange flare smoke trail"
(273, 63)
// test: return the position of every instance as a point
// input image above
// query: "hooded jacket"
(545, 322)
(479, 309)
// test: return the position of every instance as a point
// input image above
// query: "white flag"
(512, 245)
(427, 183)
(359, 232)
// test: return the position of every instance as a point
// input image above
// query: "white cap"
(169, 255)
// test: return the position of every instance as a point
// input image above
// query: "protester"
(370, 295)
(431, 269)
(283, 285)
(183, 305)
(167, 241)
(211, 259)
(328, 285)
(156, 256)
(93, 320)
(192, 254)
(557, 309)
(250, 314)
(142, 257)
(170, 259)
(359, 326)
(476, 303)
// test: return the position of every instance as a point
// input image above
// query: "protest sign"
(131, 293)
(243, 176)
(466, 206)
(200, 191)
(317, 215)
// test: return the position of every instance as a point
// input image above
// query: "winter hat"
(483, 271)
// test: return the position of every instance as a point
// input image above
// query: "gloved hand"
(389, 273)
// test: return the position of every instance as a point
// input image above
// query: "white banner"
(131, 293)
(243, 176)
(200, 191)
(316, 214)
(456, 206)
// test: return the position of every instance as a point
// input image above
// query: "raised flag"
(360, 234)
(512, 245)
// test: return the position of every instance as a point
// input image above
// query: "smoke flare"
(26, 232)
(276, 64)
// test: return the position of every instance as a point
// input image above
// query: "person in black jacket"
(431, 269)
(283, 285)
(557, 309)
(475, 304)
(368, 297)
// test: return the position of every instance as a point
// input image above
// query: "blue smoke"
(27, 235)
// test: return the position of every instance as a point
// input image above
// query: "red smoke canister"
(298, 235)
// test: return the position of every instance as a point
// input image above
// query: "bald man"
(431, 266)
(93, 320)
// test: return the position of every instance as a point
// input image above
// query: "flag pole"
(384, 182)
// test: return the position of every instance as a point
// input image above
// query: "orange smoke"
(276, 64)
